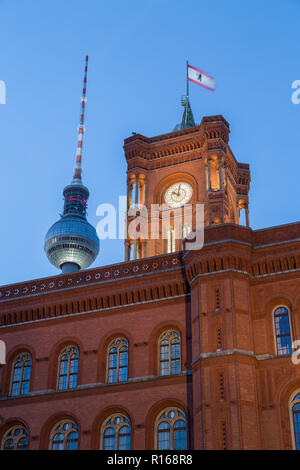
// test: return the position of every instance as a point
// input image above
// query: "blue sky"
(138, 51)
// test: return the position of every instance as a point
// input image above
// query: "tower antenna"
(80, 128)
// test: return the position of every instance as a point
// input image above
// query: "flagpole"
(187, 91)
(187, 80)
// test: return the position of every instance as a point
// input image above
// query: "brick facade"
(234, 387)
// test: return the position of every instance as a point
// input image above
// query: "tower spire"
(78, 168)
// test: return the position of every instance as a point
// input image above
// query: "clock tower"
(189, 166)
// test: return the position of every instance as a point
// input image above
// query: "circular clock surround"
(178, 194)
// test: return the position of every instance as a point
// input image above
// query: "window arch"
(68, 368)
(169, 353)
(282, 331)
(64, 436)
(20, 376)
(170, 430)
(116, 433)
(16, 438)
(294, 409)
(117, 361)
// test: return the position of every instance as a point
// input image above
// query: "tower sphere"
(72, 242)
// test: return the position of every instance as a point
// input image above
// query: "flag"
(201, 78)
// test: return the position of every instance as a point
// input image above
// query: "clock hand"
(178, 190)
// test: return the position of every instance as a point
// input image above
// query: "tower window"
(282, 331)
(171, 241)
(215, 177)
(68, 368)
(186, 229)
(21, 371)
(117, 361)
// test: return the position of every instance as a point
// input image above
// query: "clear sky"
(138, 50)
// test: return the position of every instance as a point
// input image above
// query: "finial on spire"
(78, 169)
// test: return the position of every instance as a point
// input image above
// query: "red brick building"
(172, 348)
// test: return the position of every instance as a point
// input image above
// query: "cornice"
(14, 323)
(91, 277)
(97, 387)
(240, 352)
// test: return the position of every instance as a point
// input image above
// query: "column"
(128, 245)
(220, 174)
(131, 182)
(135, 252)
(225, 176)
(136, 199)
(140, 248)
(206, 175)
(209, 174)
(141, 183)
(247, 216)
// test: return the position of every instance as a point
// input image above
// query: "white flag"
(201, 78)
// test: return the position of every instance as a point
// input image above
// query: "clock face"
(178, 194)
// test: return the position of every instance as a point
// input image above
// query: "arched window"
(169, 353)
(186, 230)
(282, 331)
(294, 407)
(116, 433)
(117, 370)
(171, 241)
(20, 377)
(215, 175)
(170, 430)
(16, 438)
(64, 436)
(68, 368)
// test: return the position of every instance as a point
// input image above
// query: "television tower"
(72, 243)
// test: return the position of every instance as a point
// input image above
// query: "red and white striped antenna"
(78, 169)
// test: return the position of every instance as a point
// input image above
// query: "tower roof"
(188, 117)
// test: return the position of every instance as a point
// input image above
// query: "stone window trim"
(169, 335)
(71, 351)
(121, 421)
(293, 400)
(118, 346)
(275, 336)
(23, 358)
(163, 416)
(16, 434)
